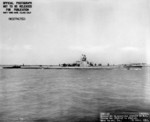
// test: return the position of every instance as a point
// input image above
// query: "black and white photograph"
(75, 61)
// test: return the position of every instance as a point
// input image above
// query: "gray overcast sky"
(58, 31)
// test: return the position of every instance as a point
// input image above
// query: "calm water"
(71, 95)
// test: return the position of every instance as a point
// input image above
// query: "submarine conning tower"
(84, 62)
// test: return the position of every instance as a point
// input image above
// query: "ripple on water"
(70, 95)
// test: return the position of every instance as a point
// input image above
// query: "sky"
(59, 31)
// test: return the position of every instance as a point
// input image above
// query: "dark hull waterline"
(58, 68)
